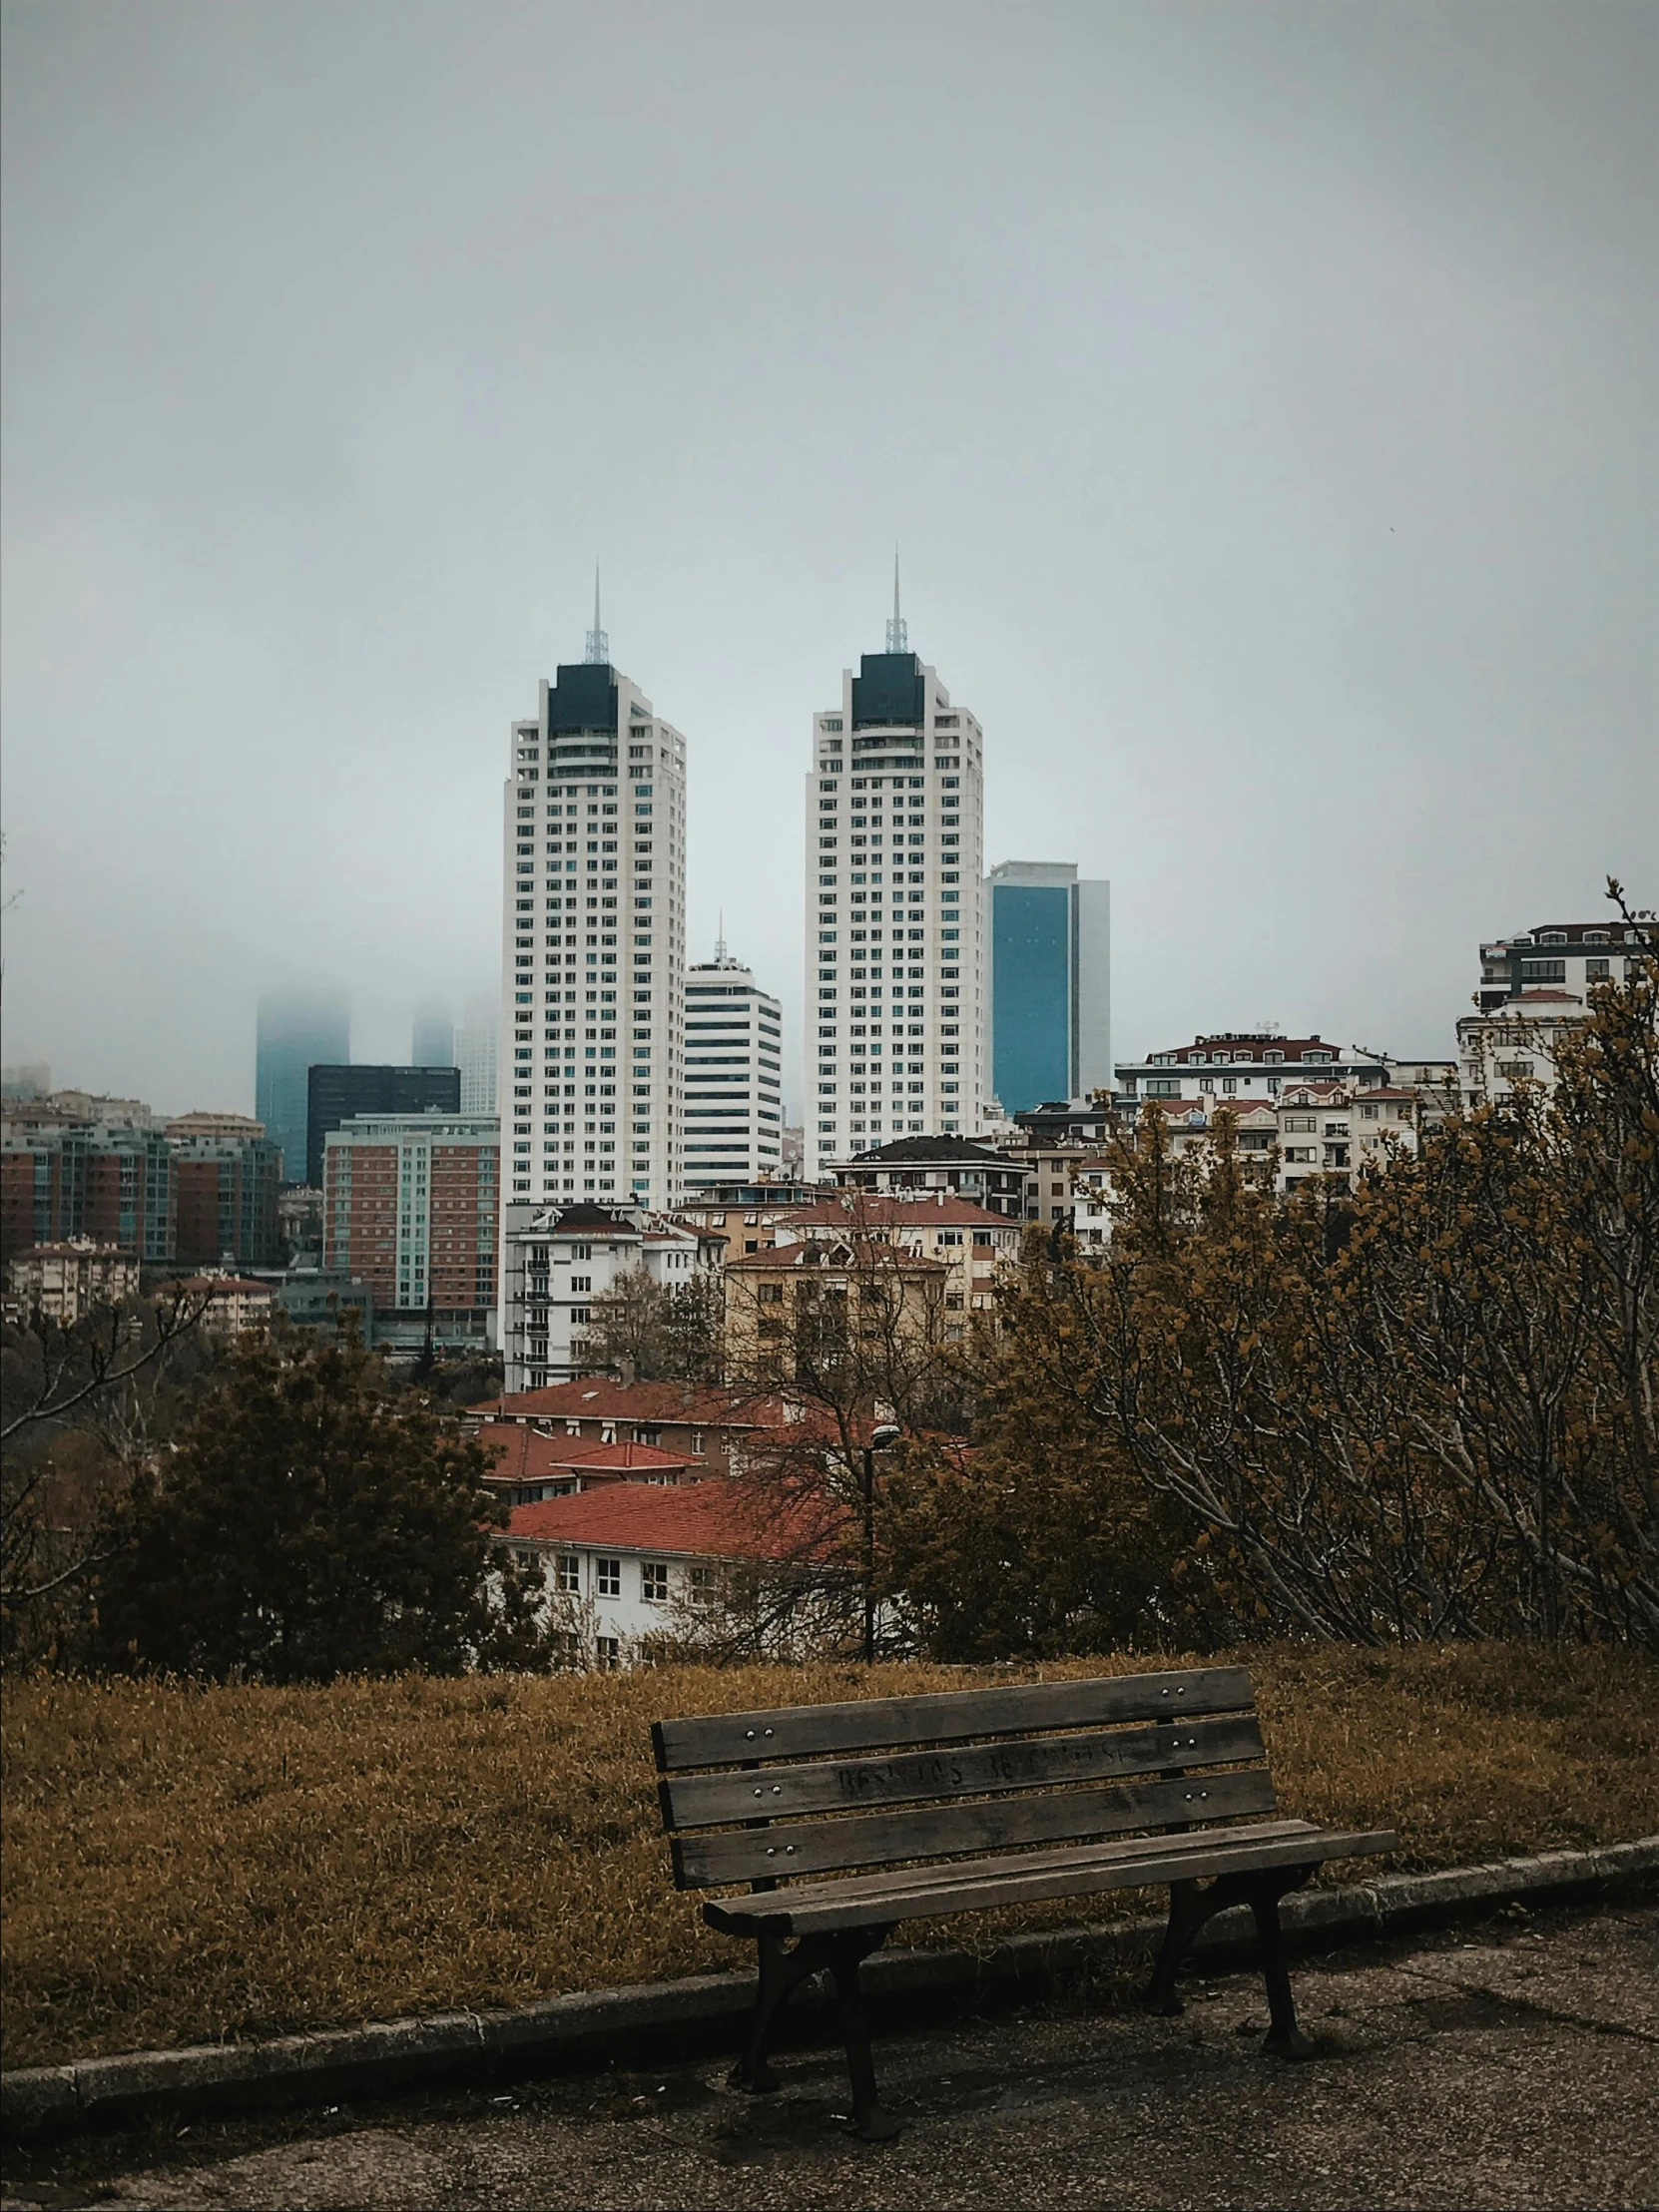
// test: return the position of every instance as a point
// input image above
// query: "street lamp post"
(883, 1434)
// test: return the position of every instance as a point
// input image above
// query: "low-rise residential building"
(231, 1304)
(944, 1163)
(808, 1305)
(409, 1207)
(1242, 1065)
(622, 1564)
(559, 1260)
(708, 1428)
(529, 1466)
(300, 1223)
(1561, 955)
(968, 1240)
(1085, 1121)
(65, 1281)
(318, 1298)
(1515, 1044)
(747, 1223)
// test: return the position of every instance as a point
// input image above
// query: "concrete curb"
(705, 2011)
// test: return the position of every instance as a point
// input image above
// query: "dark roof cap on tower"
(889, 689)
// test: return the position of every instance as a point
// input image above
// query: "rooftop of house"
(854, 1210)
(1239, 1047)
(597, 1398)
(947, 1150)
(526, 1454)
(710, 1520)
(823, 1256)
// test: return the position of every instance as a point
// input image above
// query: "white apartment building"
(593, 944)
(624, 1561)
(477, 1055)
(1561, 955)
(1515, 1044)
(734, 1114)
(895, 952)
(559, 1260)
(1242, 1065)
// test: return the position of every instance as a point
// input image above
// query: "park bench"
(968, 1799)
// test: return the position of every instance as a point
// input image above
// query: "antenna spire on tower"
(899, 637)
(720, 940)
(599, 644)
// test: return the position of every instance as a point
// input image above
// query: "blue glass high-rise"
(1049, 939)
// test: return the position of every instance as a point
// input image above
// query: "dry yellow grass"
(184, 1865)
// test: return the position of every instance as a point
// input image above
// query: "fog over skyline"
(1263, 399)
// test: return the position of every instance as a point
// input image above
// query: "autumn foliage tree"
(1427, 1408)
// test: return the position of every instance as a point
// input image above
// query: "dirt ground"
(1511, 2066)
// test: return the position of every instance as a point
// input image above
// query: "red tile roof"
(884, 1209)
(711, 1521)
(597, 1398)
(524, 1454)
(818, 1253)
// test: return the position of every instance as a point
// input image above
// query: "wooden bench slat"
(1058, 1875)
(916, 1881)
(707, 1800)
(870, 1724)
(981, 1824)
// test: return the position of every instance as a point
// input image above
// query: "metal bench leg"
(1189, 1909)
(869, 2122)
(781, 1972)
(1283, 2038)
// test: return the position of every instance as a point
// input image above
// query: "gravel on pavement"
(1513, 2064)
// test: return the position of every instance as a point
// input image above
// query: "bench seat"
(1027, 1878)
(846, 1819)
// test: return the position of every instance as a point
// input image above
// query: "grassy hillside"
(184, 1864)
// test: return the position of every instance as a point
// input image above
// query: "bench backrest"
(819, 1789)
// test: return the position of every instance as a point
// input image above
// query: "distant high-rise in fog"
(297, 1030)
(432, 1041)
(476, 1044)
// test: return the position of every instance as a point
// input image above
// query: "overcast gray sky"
(1264, 397)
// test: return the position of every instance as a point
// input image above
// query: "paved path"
(1515, 2066)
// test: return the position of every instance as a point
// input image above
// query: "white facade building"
(733, 1112)
(1563, 956)
(593, 944)
(477, 1054)
(1515, 1044)
(1242, 1065)
(623, 1562)
(559, 1260)
(896, 956)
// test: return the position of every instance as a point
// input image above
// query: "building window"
(607, 1578)
(607, 1651)
(700, 1581)
(654, 1582)
(567, 1573)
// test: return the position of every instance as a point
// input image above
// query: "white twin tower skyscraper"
(605, 1100)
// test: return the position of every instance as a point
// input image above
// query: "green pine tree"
(312, 1523)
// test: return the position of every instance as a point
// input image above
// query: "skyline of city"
(431, 1008)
